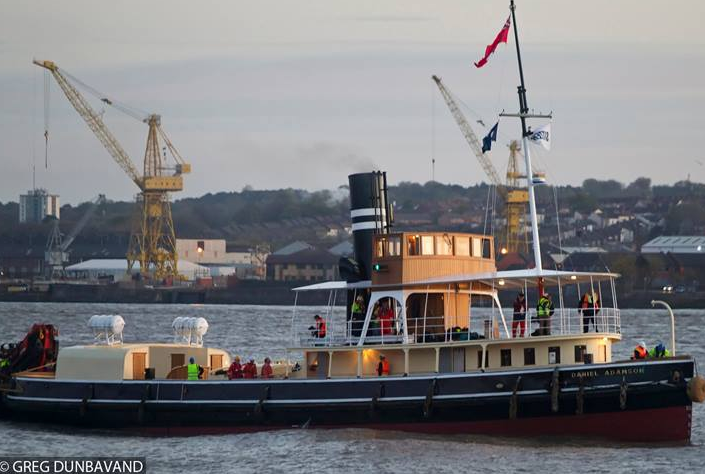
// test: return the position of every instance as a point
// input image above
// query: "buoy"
(696, 389)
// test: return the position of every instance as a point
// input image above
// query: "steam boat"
(423, 345)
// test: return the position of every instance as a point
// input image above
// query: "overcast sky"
(300, 94)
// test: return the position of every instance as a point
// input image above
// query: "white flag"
(542, 136)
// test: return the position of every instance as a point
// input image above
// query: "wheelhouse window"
(426, 245)
(444, 245)
(394, 246)
(388, 246)
(554, 355)
(486, 248)
(476, 247)
(529, 356)
(413, 245)
(379, 248)
(462, 246)
(580, 353)
(506, 357)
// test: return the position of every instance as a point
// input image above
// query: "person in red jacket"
(267, 372)
(386, 319)
(250, 370)
(235, 369)
(519, 319)
(320, 329)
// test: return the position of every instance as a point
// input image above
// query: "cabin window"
(394, 246)
(580, 353)
(554, 355)
(506, 357)
(529, 356)
(486, 248)
(462, 246)
(413, 245)
(476, 247)
(479, 359)
(603, 353)
(426, 245)
(444, 245)
(379, 248)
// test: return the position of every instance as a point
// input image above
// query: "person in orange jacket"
(640, 351)
(383, 366)
(267, 372)
(250, 370)
(235, 369)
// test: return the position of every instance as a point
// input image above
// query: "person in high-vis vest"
(383, 366)
(194, 370)
(659, 351)
(544, 311)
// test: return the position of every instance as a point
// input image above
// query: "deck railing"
(486, 323)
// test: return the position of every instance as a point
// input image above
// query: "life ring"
(696, 389)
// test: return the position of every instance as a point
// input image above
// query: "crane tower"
(153, 240)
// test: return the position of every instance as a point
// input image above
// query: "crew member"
(250, 370)
(267, 372)
(386, 319)
(589, 307)
(357, 315)
(544, 311)
(193, 370)
(519, 319)
(235, 369)
(383, 366)
(659, 351)
(320, 329)
(640, 351)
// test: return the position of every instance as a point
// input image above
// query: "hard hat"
(192, 360)
(641, 344)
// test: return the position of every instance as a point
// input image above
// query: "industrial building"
(300, 261)
(245, 263)
(116, 270)
(38, 204)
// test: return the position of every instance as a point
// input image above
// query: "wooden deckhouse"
(443, 291)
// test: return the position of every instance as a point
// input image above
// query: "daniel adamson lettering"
(584, 374)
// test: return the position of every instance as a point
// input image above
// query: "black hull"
(538, 401)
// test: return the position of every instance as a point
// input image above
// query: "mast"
(523, 115)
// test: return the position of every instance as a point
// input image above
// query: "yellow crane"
(153, 240)
(515, 197)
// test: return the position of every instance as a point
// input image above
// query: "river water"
(262, 331)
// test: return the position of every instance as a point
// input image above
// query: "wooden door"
(139, 363)
(216, 361)
(178, 360)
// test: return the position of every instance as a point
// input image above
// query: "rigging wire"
(433, 134)
(133, 112)
(487, 209)
(47, 101)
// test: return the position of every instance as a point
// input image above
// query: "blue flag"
(491, 137)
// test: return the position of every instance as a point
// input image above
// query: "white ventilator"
(107, 327)
(189, 330)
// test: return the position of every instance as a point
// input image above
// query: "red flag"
(501, 38)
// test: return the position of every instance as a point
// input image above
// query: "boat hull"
(631, 401)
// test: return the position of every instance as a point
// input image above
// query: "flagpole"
(523, 112)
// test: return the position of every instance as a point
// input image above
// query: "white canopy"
(504, 279)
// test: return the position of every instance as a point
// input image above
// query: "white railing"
(485, 324)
